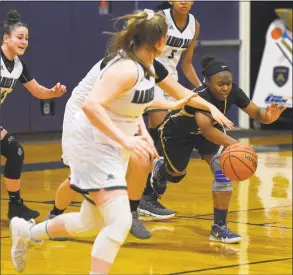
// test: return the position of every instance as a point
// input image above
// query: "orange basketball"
(238, 162)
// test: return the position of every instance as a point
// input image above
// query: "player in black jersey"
(191, 128)
(14, 44)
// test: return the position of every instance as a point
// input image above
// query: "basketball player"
(14, 44)
(183, 31)
(101, 139)
(191, 128)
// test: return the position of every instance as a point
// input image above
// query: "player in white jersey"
(183, 31)
(102, 138)
(14, 44)
(65, 195)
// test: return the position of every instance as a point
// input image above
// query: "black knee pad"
(14, 153)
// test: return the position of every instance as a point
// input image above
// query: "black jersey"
(182, 122)
(10, 73)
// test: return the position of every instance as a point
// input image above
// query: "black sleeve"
(242, 100)
(25, 75)
(160, 71)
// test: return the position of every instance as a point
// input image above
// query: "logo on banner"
(276, 99)
(280, 75)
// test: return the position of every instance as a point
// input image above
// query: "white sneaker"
(20, 235)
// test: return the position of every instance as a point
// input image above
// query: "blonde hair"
(141, 29)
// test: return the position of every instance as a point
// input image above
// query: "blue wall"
(66, 40)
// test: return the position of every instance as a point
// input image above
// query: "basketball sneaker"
(150, 206)
(21, 236)
(20, 210)
(221, 233)
(138, 229)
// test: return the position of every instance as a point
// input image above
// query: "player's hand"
(182, 102)
(58, 90)
(273, 111)
(221, 118)
(140, 147)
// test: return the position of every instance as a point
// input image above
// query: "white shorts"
(95, 161)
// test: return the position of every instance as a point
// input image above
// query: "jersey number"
(172, 54)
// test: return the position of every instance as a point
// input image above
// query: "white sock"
(39, 232)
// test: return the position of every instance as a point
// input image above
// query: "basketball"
(238, 162)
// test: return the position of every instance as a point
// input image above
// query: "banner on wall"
(274, 81)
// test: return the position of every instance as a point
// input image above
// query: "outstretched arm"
(42, 92)
(265, 116)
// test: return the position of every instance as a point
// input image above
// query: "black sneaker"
(150, 206)
(138, 229)
(20, 210)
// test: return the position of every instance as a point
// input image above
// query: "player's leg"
(221, 190)
(136, 178)
(155, 118)
(177, 153)
(115, 210)
(64, 196)
(12, 150)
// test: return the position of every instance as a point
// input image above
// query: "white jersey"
(177, 42)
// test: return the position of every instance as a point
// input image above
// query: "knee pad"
(117, 218)
(118, 221)
(220, 182)
(86, 223)
(14, 153)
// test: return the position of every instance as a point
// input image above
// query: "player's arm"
(38, 90)
(120, 77)
(205, 123)
(176, 90)
(42, 92)
(164, 104)
(186, 65)
(265, 116)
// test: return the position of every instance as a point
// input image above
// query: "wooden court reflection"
(261, 212)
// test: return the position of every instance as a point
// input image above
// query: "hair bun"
(206, 60)
(13, 17)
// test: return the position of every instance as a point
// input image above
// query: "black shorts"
(177, 149)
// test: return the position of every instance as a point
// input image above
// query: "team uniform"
(177, 42)
(10, 73)
(95, 160)
(180, 134)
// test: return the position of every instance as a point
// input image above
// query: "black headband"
(215, 66)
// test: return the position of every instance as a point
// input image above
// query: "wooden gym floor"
(260, 211)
